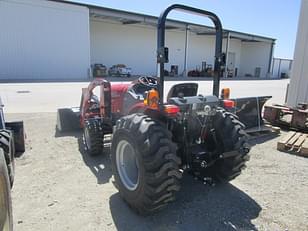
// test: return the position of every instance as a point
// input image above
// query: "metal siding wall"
(43, 40)
(298, 88)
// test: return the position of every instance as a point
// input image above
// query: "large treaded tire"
(159, 174)
(6, 218)
(17, 127)
(231, 137)
(8, 146)
(93, 134)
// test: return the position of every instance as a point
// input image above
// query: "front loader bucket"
(249, 110)
(68, 119)
(19, 135)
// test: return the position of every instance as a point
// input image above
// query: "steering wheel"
(148, 81)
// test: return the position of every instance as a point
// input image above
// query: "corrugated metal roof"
(127, 17)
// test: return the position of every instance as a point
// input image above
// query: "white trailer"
(298, 88)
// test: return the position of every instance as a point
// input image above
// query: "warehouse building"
(53, 40)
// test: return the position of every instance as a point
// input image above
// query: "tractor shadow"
(99, 165)
(198, 207)
(262, 138)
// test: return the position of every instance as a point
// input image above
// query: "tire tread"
(160, 162)
(233, 137)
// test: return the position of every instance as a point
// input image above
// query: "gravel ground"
(58, 187)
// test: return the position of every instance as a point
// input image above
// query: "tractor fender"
(139, 107)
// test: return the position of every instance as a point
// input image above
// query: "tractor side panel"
(117, 97)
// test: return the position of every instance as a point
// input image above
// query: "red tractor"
(155, 140)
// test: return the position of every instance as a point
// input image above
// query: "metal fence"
(281, 68)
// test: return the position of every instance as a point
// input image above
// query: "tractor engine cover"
(196, 110)
(194, 103)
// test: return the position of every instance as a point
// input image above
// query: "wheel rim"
(87, 138)
(127, 165)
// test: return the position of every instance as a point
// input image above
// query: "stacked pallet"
(294, 142)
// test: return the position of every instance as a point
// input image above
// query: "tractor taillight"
(225, 93)
(228, 103)
(171, 109)
(151, 99)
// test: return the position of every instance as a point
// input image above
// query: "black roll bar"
(162, 53)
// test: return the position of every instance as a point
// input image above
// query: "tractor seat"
(183, 90)
(94, 99)
(94, 104)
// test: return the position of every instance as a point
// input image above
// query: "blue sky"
(272, 18)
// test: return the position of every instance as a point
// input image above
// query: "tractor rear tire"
(8, 146)
(231, 137)
(144, 163)
(93, 135)
(6, 218)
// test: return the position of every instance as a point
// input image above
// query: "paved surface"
(47, 97)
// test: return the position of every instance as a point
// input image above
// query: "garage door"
(43, 40)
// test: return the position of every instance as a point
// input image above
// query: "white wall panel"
(175, 41)
(255, 54)
(200, 48)
(298, 89)
(43, 40)
(113, 43)
(134, 46)
(235, 46)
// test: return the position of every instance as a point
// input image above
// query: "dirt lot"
(58, 187)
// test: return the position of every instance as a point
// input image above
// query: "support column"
(227, 51)
(186, 50)
(270, 63)
(279, 68)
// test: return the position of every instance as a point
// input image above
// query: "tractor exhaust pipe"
(162, 51)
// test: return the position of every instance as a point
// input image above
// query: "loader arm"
(104, 99)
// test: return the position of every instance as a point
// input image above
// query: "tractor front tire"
(144, 163)
(93, 137)
(231, 138)
(8, 146)
(6, 219)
